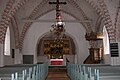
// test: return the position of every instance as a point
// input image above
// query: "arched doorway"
(56, 51)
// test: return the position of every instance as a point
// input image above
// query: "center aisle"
(57, 73)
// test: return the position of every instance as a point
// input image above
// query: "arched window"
(106, 41)
(7, 42)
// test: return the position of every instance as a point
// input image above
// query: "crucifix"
(58, 10)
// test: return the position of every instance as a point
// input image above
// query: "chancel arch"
(49, 48)
(39, 29)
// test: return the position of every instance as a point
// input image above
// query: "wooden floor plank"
(57, 74)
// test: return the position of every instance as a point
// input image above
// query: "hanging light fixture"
(58, 28)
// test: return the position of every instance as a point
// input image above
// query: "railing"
(31, 72)
(86, 72)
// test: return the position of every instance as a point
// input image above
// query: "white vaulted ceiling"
(81, 10)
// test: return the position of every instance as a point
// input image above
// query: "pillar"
(1, 55)
(18, 57)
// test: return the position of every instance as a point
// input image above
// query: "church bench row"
(105, 70)
(15, 68)
(82, 72)
(33, 70)
(30, 72)
(19, 65)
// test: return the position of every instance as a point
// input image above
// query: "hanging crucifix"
(58, 28)
(58, 10)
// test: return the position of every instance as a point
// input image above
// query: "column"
(18, 57)
(1, 55)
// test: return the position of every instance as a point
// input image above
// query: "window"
(106, 41)
(7, 42)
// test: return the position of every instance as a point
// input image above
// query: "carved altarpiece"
(56, 49)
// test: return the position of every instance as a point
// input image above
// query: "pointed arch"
(49, 36)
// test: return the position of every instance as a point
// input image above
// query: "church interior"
(67, 34)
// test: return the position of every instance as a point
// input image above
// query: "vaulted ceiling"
(98, 12)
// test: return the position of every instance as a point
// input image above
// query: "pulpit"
(96, 54)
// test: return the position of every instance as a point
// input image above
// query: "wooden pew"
(107, 72)
(93, 72)
(24, 72)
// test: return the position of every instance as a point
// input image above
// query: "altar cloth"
(56, 61)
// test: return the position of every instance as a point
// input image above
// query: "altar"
(56, 50)
(56, 62)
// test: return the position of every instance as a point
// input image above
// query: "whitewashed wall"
(8, 60)
(71, 58)
(37, 29)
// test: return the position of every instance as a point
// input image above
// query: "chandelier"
(58, 28)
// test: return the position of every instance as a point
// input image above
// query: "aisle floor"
(57, 74)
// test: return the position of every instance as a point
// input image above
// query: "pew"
(107, 72)
(93, 72)
(24, 72)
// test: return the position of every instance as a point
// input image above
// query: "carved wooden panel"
(56, 47)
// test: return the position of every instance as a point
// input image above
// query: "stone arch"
(103, 12)
(117, 24)
(98, 23)
(16, 32)
(49, 35)
(27, 25)
(42, 4)
(6, 17)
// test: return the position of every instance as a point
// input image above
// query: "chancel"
(59, 46)
(59, 39)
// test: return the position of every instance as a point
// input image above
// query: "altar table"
(56, 61)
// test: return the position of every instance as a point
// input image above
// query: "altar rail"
(24, 72)
(93, 72)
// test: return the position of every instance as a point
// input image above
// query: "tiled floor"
(57, 74)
